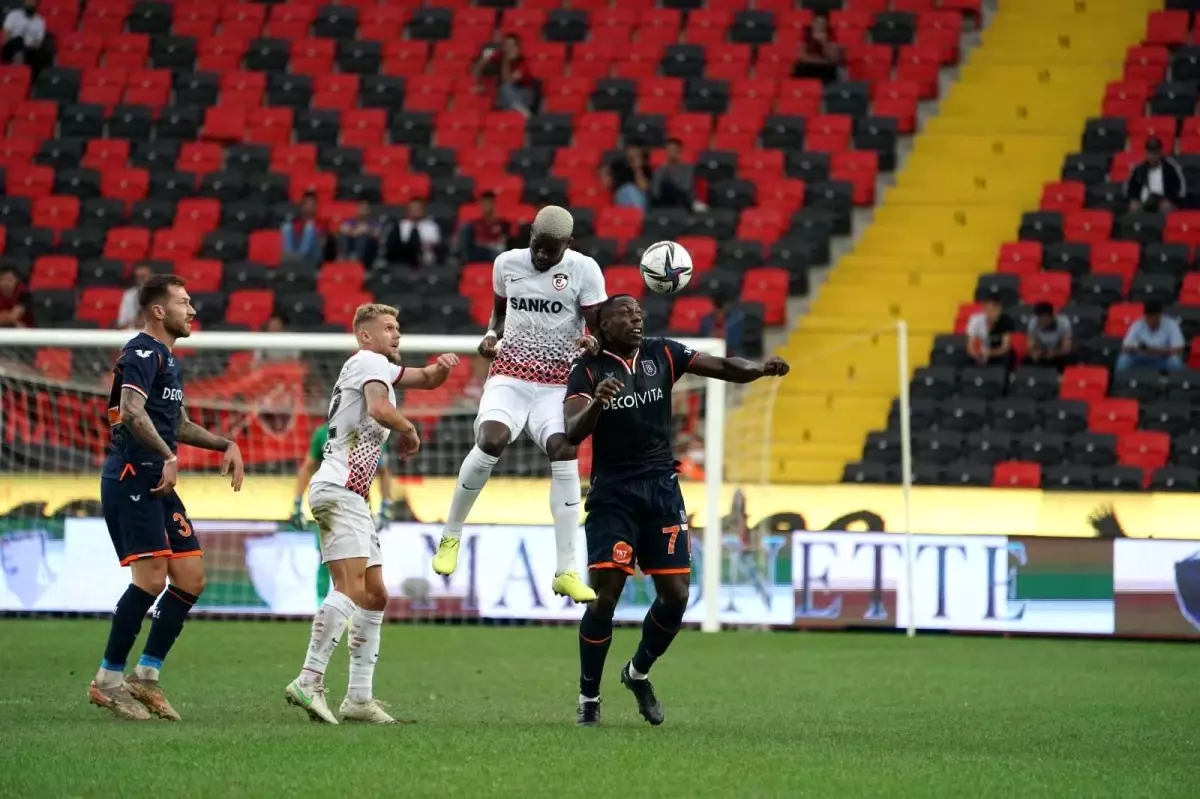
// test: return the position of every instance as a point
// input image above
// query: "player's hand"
(231, 464)
(384, 516)
(489, 347)
(609, 387)
(775, 367)
(445, 362)
(588, 344)
(410, 444)
(170, 476)
(297, 518)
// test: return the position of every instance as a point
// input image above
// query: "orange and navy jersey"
(146, 366)
(634, 435)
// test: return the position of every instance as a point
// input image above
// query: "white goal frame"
(714, 419)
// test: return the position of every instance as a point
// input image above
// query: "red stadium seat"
(1121, 317)
(314, 57)
(1051, 287)
(688, 312)
(1088, 226)
(170, 244)
(56, 213)
(201, 214)
(1066, 196)
(1084, 383)
(399, 187)
(899, 100)
(828, 134)
(1017, 474)
(54, 272)
(100, 305)
(1183, 227)
(201, 275)
(1144, 449)
(702, 249)
(764, 225)
(768, 285)
(1020, 258)
(620, 224)
(296, 158)
(53, 363)
(1147, 63)
(34, 182)
(223, 123)
(476, 280)
(321, 184)
(33, 119)
(624, 280)
(340, 306)
(200, 157)
(1189, 294)
(1116, 258)
(1114, 416)
(1169, 28)
(105, 153)
(17, 153)
(269, 126)
(265, 247)
(386, 158)
(127, 183)
(250, 307)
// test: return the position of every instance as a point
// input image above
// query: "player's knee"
(558, 448)
(492, 439)
(605, 604)
(674, 593)
(150, 575)
(374, 598)
(193, 583)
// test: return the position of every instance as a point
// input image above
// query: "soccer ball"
(666, 267)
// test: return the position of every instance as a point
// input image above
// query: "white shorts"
(344, 524)
(521, 405)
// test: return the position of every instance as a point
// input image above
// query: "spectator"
(486, 237)
(25, 39)
(276, 324)
(415, 238)
(303, 236)
(129, 315)
(820, 56)
(358, 238)
(1153, 342)
(1157, 184)
(14, 300)
(517, 89)
(674, 184)
(1050, 341)
(724, 322)
(990, 336)
(630, 178)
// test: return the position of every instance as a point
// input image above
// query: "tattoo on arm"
(135, 418)
(194, 435)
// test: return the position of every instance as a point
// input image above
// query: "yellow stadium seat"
(1000, 133)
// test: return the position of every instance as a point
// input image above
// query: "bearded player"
(544, 296)
(146, 520)
(621, 397)
(362, 413)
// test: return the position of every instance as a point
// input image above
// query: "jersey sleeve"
(579, 379)
(139, 368)
(498, 276)
(679, 357)
(316, 444)
(374, 368)
(592, 291)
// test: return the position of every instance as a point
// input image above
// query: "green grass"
(748, 715)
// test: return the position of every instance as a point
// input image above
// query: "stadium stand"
(184, 134)
(1086, 250)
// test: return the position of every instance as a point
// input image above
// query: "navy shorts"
(142, 526)
(640, 519)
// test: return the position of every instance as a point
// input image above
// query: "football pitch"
(748, 715)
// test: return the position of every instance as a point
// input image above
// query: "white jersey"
(355, 439)
(545, 313)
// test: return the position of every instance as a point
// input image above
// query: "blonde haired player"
(362, 413)
(544, 295)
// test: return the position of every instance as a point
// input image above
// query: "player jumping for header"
(544, 295)
(621, 397)
(147, 521)
(362, 413)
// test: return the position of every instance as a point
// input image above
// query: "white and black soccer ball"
(666, 267)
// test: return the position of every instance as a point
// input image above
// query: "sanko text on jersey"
(535, 305)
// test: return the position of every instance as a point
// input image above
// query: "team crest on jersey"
(559, 281)
(650, 368)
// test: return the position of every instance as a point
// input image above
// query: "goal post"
(269, 391)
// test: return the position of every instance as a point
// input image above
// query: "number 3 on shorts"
(672, 531)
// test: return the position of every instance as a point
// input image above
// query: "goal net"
(270, 392)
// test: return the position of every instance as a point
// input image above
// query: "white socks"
(472, 477)
(327, 628)
(364, 652)
(564, 507)
(634, 674)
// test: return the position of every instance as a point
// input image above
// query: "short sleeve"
(679, 357)
(1133, 336)
(1177, 342)
(592, 291)
(1064, 326)
(498, 276)
(373, 367)
(316, 443)
(579, 380)
(977, 326)
(139, 367)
